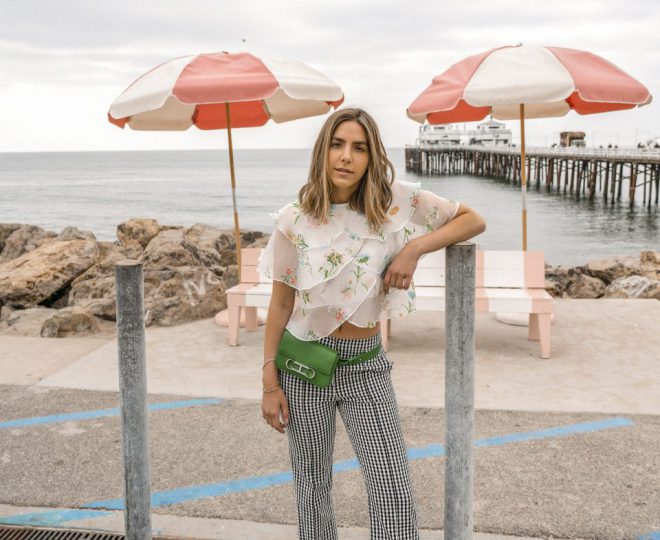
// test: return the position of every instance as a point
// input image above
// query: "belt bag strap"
(361, 357)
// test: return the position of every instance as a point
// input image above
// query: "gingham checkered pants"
(364, 395)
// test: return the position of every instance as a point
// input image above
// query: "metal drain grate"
(8, 532)
(33, 533)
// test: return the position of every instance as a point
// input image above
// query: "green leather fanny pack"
(312, 361)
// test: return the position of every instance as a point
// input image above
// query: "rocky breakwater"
(54, 285)
(617, 277)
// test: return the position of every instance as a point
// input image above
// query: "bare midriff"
(350, 331)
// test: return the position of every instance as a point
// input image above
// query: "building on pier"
(489, 133)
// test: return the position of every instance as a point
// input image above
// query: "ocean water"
(98, 190)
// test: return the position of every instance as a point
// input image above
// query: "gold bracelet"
(269, 390)
(267, 361)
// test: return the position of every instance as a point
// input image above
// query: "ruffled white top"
(336, 267)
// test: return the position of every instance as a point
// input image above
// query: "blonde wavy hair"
(374, 193)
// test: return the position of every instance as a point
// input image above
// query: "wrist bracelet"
(269, 390)
(267, 361)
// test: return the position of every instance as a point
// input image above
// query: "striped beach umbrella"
(220, 91)
(527, 81)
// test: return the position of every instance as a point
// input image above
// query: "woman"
(342, 255)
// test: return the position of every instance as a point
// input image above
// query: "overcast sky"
(63, 62)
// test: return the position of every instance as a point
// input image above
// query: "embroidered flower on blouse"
(340, 314)
(289, 276)
(414, 200)
(394, 211)
(334, 259)
(297, 239)
(347, 290)
(431, 217)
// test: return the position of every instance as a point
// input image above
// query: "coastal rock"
(205, 243)
(24, 239)
(227, 244)
(560, 278)
(5, 312)
(182, 294)
(26, 322)
(6, 229)
(94, 290)
(633, 287)
(68, 321)
(650, 264)
(166, 249)
(583, 286)
(37, 275)
(554, 288)
(138, 231)
(608, 270)
(259, 242)
(74, 233)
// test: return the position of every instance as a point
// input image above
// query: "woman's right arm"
(282, 301)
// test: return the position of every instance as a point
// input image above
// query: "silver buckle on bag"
(293, 365)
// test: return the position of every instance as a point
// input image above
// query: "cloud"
(68, 60)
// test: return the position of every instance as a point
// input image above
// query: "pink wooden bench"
(252, 292)
(506, 281)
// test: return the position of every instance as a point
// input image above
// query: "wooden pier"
(584, 172)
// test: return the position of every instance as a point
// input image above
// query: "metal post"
(459, 390)
(133, 394)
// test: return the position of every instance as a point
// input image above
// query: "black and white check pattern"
(364, 395)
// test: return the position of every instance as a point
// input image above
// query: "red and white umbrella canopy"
(194, 90)
(549, 81)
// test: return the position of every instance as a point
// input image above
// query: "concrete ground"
(565, 447)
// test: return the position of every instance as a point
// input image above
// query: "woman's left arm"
(466, 224)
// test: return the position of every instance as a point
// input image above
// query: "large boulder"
(6, 229)
(74, 233)
(650, 264)
(633, 287)
(26, 322)
(68, 321)
(608, 270)
(182, 294)
(558, 279)
(583, 286)
(39, 274)
(23, 239)
(94, 290)
(226, 244)
(166, 249)
(137, 231)
(205, 243)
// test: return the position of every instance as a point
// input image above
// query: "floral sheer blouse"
(337, 266)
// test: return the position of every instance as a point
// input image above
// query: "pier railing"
(645, 154)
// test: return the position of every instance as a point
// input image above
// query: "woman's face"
(348, 158)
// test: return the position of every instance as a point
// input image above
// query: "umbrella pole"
(523, 177)
(237, 233)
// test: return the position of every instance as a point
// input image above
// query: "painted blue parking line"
(562, 431)
(654, 535)
(181, 495)
(100, 413)
(52, 518)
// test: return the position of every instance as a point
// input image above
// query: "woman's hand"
(400, 271)
(271, 404)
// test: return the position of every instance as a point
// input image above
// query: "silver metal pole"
(459, 390)
(133, 393)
